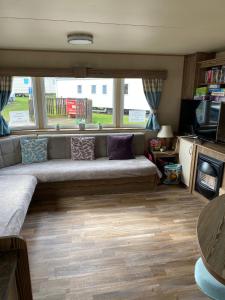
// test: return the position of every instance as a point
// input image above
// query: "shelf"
(220, 61)
(220, 83)
(168, 153)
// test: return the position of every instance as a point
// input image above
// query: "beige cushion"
(102, 168)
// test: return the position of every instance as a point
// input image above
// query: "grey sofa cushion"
(102, 168)
(59, 146)
(15, 196)
(10, 153)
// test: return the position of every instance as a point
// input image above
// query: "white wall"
(170, 102)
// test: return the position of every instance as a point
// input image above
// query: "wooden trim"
(84, 72)
(118, 99)
(193, 166)
(76, 131)
(126, 73)
(23, 280)
(212, 63)
(44, 72)
(39, 99)
(94, 52)
(96, 187)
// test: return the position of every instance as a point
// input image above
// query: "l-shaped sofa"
(19, 182)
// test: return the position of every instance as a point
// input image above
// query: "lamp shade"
(165, 132)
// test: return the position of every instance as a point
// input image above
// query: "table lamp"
(166, 133)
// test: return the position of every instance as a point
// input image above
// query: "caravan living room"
(112, 132)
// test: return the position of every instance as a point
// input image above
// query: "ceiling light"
(80, 38)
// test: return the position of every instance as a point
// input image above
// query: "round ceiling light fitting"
(80, 38)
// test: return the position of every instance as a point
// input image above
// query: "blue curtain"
(152, 89)
(5, 91)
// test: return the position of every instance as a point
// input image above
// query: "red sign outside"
(75, 108)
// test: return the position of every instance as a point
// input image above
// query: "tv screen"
(200, 118)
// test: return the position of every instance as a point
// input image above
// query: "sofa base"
(96, 187)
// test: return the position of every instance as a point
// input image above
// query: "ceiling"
(130, 26)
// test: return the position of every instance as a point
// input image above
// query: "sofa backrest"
(59, 146)
(10, 152)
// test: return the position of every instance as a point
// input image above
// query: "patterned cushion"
(33, 150)
(82, 148)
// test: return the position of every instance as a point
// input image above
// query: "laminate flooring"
(114, 247)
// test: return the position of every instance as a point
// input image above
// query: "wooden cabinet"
(186, 150)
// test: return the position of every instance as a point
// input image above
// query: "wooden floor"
(131, 246)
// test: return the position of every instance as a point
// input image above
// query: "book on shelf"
(215, 75)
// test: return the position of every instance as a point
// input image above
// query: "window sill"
(77, 131)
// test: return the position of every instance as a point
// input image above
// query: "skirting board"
(96, 187)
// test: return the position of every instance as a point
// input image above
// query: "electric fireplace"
(209, 176)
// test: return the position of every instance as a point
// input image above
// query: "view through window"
(70, 101)
(19, 111)
(136, 108)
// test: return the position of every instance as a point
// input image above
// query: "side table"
(163, 158)
(164, 154)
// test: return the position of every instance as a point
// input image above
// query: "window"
(20, 110)
(93, 89)
(125, 89)
(104, 89)
(135, 106)
(66, 107)
(79, 89)
(70, 101)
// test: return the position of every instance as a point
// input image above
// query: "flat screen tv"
(204, 119)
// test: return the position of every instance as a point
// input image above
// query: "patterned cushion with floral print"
(34, 150)
(82, 148)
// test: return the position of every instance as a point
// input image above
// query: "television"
(204, 119)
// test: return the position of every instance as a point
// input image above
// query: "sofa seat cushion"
(16, 192)
(56, 170)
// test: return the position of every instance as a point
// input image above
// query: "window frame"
(122, 125)
(36, 115)
(40, 112)
(76, 127)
